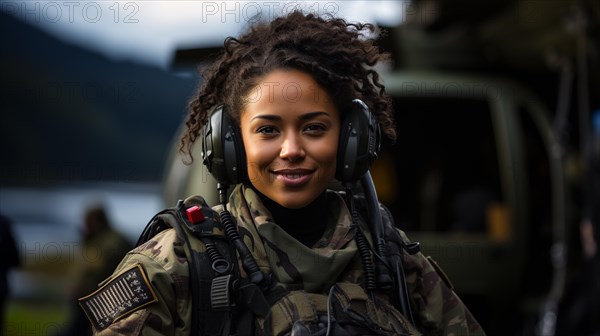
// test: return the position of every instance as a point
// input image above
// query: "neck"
(306, 224)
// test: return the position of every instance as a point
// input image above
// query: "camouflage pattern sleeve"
(439, 310)
(160, 305)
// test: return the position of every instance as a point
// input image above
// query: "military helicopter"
(493, 158)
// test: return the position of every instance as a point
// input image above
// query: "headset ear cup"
(222, 148)
(359, 142)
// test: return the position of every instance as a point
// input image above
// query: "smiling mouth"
(293, 177)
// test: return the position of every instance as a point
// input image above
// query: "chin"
(296, 199)
(292, 204)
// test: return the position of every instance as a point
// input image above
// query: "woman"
(287, 87)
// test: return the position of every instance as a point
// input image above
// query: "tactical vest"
(226, 302)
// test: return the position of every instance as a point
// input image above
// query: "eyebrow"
(306, 116)
(311, 115)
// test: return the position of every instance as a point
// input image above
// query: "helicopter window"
(442, 173)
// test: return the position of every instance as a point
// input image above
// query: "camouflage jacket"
(313, 282)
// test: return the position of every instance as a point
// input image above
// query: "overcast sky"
(149, 31)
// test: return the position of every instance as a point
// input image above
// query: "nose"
(292, 148)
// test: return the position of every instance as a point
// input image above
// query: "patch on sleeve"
(119, 297)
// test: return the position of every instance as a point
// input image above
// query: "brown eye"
(267, 130)
(315, 129)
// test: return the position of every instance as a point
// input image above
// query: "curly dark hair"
(338, 55)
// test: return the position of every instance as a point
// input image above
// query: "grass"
(33, 318)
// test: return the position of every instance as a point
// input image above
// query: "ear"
(222, 148)
(359, 143)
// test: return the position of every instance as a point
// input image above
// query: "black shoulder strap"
(393, 246)
(212, 272)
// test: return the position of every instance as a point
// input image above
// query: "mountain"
(70, 114)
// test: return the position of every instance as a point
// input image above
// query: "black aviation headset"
(224, 156)
(359, 144)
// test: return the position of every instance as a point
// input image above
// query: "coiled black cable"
(248, 262)
(212, 251)
(363, 245)
(219, 264)
(384, 276)
(365, 255)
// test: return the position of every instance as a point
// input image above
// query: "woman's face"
(290, 128)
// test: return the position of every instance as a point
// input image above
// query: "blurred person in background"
(10, 259)
(101, 251)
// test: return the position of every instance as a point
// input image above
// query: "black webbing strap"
(211, 289)
(205, 320)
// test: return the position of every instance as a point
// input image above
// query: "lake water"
(47, 221)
